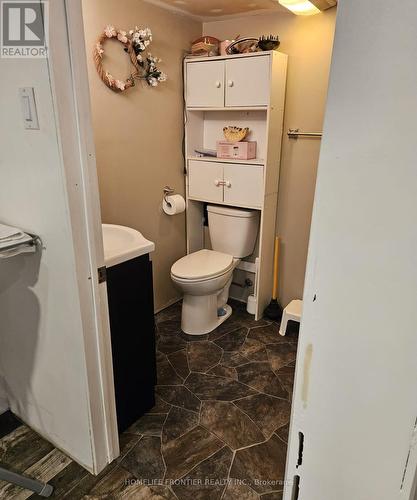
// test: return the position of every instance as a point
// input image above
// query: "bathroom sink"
(123, 243)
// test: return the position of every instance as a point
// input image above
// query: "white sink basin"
(123, 243)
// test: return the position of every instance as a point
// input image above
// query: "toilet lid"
(202, 264)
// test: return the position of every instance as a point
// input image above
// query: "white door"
(248, 81)
(55, 349)
(206, 181)
(243, 185)
(355, 396)
(205, 84)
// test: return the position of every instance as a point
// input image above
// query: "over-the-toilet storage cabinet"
(247, 91)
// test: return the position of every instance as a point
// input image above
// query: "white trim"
(72, 108)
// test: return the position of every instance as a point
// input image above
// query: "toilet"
(204, 277)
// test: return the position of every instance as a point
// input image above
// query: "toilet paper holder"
(168, 191)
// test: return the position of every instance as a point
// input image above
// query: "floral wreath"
(135, 43)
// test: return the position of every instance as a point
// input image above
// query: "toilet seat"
(202, 265)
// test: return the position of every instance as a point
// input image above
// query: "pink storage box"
(237, 150)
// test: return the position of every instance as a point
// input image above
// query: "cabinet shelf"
(255, 161)
(246, 90)
(229, 108)
(225, 203)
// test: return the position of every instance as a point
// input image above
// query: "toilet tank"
(233, 230)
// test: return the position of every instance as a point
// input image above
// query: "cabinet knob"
(218, 84)
(230, 83)
(228, 184)
(217, 182)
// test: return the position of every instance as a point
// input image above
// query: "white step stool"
(292, 312)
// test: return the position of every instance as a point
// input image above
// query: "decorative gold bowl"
(235, 134)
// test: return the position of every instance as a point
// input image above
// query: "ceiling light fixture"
(307, 7)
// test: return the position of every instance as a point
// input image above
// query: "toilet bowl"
(204, 277)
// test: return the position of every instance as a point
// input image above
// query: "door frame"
(71, 98)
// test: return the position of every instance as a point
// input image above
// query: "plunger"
(274, 310)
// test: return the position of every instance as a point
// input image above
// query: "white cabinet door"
(205, 181)
(205, 84)
(248, 81)
(243, 185)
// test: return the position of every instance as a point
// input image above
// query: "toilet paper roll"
(175, 205)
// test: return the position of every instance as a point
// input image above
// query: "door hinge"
(102, 274)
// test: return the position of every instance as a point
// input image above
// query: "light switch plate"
(29, 111)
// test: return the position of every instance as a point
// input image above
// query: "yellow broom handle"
(276, 258)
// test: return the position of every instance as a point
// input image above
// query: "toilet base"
(199, 314)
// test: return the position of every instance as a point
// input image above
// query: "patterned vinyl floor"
(218, 431)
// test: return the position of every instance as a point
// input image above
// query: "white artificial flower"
(110, 78)
(139, 58)
(110, 31)
(163, 77)
(121, 36)
(120, 85)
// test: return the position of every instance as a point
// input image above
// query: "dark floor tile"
(166, 375)
(203, 355)
(283, 432)
(224, 371)
(81, 488)
(8, 423)
(281, 354)
(208, 479)
(148, 425)
(178, 422)
(178, 395)
(180, 363)
(232, 341)
(262, 466)
(145, 461)
(233, 359)
(184, 453)
(228, 326)
(211, 387)
(127, 440)
(46, 468)
(160, 357)
(22, 448)
(170, 313)
(286, 377)
(120, 484)
(193, 338)
(268, 412)
(274, 495)
(65, 481)
(160, 406)
(249, 321)
(230, 424)
(169, 327)
(259, 376)
(236, 491)
(266, 334)
(254, 350)
(170, 342)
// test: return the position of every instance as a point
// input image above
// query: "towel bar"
(294, 133)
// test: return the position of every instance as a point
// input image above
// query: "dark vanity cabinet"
(130, 295)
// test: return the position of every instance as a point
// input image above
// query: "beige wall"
(138, 134)
(308, 42)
